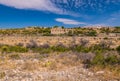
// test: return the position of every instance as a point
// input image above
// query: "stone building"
(60, 30)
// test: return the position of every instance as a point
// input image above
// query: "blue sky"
(69, 13)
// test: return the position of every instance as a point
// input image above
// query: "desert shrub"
(118, 49)
(8, 49)
(2, 75)
(97, 49)
(77, 48)
(70, 33)
(42, 56)
(41, 50)
(45, 46)
(28, 45)
(48, 64)
(59, 48)
(80, 48)
(14, 56)
(105, 38)
(46, 30)
(111, 60)
(5, 49)
(85, 50)
(101, 61)
(1, 45)
(84, 42)
(86, 58)
(98, 60)
(32, 44)
(36, 49)
(105, 45)
(47, 34)
(60, 45)
(20, 44)
(18, 49)
(91, 33)
(45, 51)
(72, 46)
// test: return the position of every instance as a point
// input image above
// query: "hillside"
(34, 54)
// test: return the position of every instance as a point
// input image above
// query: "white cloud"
(69, 21)
(42, 5)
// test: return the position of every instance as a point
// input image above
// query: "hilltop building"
(59, 30)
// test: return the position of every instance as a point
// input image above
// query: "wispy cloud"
(69, 21)
(42, 5)
(85, 9)
(55, 6)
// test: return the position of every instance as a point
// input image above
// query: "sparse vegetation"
(33, 54)
(42, 31)
(14, 56)
(8, 49)
(118, 49)
(2, 75)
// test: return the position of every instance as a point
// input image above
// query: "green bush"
(41, 50)
(98, 59)
(77, 48)
(6, 49)
(14, 56)
(47, 34)
(91, 33)
(111, 60)
(97, 49)
(86, 50)
(59, 48)
(45, 51)
(70, 33)
(36, 49)
(81, 49)
(118, 49)
(18, 49)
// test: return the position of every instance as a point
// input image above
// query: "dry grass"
(6, 65)
(30, 66)
(64, 60)
(2, 75)
(109, 73)
(55, 61)
(51, 62)
(112, 73)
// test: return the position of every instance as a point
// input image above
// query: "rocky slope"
(36, 67)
